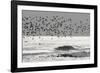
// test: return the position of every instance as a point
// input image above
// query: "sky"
(51, 23)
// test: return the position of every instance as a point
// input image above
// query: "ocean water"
(39, 49)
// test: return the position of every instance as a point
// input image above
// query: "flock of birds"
(54, 26)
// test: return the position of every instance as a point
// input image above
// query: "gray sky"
(73, 24)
